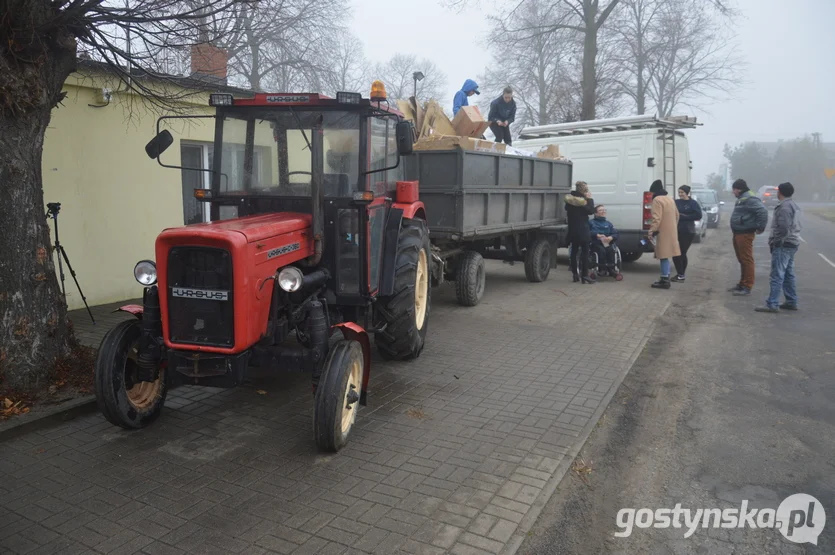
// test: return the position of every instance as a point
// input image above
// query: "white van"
(619, 158)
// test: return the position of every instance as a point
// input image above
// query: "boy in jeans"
(784, 241)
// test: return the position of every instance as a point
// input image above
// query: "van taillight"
(647, 218)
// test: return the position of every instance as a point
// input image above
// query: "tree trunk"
(589, 85)
(641, 90)
(34, 328)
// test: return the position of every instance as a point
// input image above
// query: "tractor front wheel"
(122, 398)
(338, 395)
(406, 313)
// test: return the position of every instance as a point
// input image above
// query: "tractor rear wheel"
(470, 279)
(337, 395)
(406, 312)
(538, 261)
(122, 398)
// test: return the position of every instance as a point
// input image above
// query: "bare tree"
(673, 51)
(348, 69)
(636, 31)
(38, 47)
(544, 69)
(695, 60)
(397, 73)
(585, 17)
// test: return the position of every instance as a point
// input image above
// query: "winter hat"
(786, 189)
(740, 185)
(657, 188)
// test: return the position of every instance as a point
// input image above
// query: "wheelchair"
(594, 263)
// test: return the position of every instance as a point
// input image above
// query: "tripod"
(52, 212)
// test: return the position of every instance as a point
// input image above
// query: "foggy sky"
(789, 47)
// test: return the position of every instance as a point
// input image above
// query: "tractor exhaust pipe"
(317, 195)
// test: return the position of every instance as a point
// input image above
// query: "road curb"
(30, 422)
(528, 521)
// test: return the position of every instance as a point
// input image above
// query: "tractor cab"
(335, 159)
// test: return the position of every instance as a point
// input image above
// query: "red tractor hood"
(260, 227)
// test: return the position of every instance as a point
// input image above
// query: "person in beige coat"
(664, 231)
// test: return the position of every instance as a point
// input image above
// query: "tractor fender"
(135, 309)
(355, 332)
(411, 210)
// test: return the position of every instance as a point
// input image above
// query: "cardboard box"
(448, 142)
(551, 152)
(469, 122)
(435, 121)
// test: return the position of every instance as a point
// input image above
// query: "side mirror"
(405, 137)
(159, 144)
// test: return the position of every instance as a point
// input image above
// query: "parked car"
(711, 204)
(768, 194)
(701, 225)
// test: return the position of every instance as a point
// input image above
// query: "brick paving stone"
(237, 471)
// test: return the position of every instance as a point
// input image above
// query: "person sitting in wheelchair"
(603, 237)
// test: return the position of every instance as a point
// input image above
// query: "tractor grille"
(200, 299)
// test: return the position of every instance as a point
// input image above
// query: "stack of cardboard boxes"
(465, 131)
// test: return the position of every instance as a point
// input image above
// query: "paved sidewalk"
(456, 452)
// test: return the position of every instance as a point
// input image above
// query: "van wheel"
(629, 257)
(538, 261)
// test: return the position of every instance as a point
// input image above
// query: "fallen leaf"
(416, 413)
(7, 402)
(261, 392)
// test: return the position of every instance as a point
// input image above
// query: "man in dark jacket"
(578, 207)
(750, 217)
(502, 114)
(784, 241)
(603, 237)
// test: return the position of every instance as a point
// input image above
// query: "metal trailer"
(485, 205)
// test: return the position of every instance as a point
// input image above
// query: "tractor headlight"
(145, 272)
(290, 279)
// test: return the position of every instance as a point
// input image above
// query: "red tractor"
(313, 230)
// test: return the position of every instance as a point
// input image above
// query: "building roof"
(196, 82)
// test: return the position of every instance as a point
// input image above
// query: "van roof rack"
(609, 125)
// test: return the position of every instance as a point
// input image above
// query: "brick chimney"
(209, 63)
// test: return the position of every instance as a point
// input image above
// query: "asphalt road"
(724, 405)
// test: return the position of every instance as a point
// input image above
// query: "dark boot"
(589, 279)
(576, 277)
(663, 283)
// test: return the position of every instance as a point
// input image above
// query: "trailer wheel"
(470, 279)
(538, 261)
(629, 257)
(122, 398)
(337, 395)
(406, 313)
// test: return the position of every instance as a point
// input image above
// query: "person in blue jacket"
(502, 114)
(690, 212)
(603, 237)
(461, 98)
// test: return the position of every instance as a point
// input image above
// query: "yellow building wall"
(114, 199)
